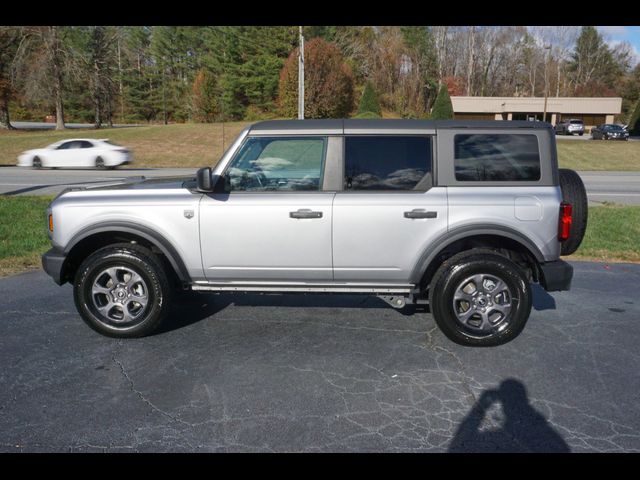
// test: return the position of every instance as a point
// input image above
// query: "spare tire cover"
(574, 192)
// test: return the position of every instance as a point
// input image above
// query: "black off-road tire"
(473, 262)
(574, 192)
(131, 257)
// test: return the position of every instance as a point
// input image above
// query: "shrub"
(442, 107)
(369, 101)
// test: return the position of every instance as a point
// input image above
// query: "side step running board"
(401, 289)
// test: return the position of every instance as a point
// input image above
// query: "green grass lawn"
(197, 144)
(598, 155)
(613, 234)
(23, 233)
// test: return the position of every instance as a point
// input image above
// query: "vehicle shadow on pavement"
(521, 428)
(541, 299)
(191, 307)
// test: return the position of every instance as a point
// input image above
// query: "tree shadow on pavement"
(522, 429)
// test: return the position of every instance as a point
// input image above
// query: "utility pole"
(301, 78)
(546, 81)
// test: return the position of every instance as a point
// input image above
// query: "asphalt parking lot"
(321, 373)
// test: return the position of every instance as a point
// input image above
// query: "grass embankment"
(23, 233)
(180, 145)
(613, 234)
(193, 145)
(598, 155)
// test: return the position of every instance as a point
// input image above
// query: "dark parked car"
(569, 127)
(609, 131)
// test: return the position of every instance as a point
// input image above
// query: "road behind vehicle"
(77, 153)
(460, 215)
(609, 131)
(570, 127)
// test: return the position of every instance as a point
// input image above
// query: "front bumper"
(556, 276)
(53, 263)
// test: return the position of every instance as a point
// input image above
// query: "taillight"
(564, 223)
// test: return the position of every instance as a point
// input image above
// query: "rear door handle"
(420, 213)
(305, 213)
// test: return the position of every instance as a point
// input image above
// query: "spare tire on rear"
(573, 192)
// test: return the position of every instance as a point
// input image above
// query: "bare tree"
(43, 66)
(470, 58)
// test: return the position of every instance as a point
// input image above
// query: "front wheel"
(36, 163)
(100, 163)
(122, 290)
(480, 299)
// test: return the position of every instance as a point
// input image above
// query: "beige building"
(591, 110)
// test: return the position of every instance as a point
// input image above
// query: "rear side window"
(496, 157)
(387, 163)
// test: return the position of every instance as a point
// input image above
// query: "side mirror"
(204, 180)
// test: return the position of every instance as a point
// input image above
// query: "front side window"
(387, 163)
(277, 164)
(496, 157)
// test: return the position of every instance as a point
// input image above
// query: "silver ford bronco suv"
(461, 215)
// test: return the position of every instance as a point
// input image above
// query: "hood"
(141, 183)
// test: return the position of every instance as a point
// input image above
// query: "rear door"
(389, 210)
(273, 221)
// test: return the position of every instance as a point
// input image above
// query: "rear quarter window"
(496, 157)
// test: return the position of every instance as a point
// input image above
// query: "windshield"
(616, 127)
(576, 121)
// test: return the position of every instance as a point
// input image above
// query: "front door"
(273, 221)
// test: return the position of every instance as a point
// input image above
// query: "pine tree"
(442, 108)
(634, 121)
(369, 102)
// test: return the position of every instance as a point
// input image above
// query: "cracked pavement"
(321, 373)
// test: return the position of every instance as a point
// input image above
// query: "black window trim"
(325, 139)
(432, 173)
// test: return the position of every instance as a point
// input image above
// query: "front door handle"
(420, 213)
(305, 213)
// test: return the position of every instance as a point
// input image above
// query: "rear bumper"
(52, 263)
(556, 276)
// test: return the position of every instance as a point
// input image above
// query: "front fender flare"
(167, 249)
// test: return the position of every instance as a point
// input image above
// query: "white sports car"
(77, 153)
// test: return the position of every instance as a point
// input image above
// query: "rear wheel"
(122, 290)
(574, 192)
(36, 163)
(100, 163)
(480, 299)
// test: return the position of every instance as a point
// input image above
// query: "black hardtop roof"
(334, 125)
